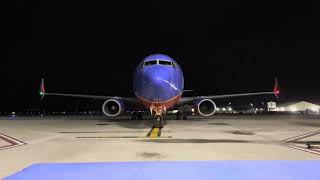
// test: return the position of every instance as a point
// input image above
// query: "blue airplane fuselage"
(158, 80)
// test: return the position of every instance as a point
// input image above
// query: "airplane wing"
(276, 92)
(43, 93)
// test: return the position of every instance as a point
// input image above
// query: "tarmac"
(76, 139)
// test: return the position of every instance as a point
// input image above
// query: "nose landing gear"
(159, 112)
(159, 122)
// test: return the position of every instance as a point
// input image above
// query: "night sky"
(92, 47)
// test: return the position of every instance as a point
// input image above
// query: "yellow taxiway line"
(154, 133)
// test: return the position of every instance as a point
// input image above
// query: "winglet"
(276, 89)
(42, 91)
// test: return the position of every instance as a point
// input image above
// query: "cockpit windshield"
(149, 63)
(157, 62)
(168, 63)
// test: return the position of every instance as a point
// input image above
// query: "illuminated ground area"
(98, 139)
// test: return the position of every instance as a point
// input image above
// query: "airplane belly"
(168, 103)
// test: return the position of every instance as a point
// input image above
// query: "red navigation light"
(276, 89)
(42, 89)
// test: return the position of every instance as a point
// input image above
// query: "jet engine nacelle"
(112, 107)
(206, 107)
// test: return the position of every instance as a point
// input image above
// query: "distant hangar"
(298, 106)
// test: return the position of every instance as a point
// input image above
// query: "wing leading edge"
(276, 92)
(44, 93)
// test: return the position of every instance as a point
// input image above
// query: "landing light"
(218, 109)
(230, 109)
(175, 111)
(223, 109)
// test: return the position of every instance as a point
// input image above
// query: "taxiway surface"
(28, 140)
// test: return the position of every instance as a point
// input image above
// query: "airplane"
(158, 85)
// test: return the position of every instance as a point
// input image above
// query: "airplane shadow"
(240, 132)
(199, 141)
(128, 123)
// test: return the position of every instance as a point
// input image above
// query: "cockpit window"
(168, 63)
(149, 63)
(155, 62)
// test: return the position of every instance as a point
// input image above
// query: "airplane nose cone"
(159, 84)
